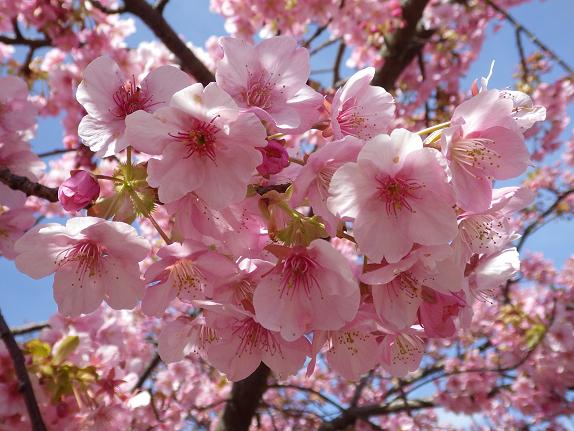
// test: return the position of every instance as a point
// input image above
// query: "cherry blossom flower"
(275, 158)
(397, 195)
(13, 224)
(108, 98)
(245, 343)
(401, 353)
(482, 144)
(270, 80)
(313, 180)
(207, 146)
(360, 109)
(94, 260)
(78, 191)
(17, 113)
(187, 271)
(309, 288)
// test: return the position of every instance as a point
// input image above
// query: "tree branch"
(31, 188)
(161, 28)
(519, 27)
(20, 40)
(156, 360)
(26, 329)
(404, 45)
(25, 383)
(245, 398)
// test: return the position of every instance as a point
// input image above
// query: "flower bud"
(78, 191)
(275, 158)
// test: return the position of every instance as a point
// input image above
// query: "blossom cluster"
(258, 240)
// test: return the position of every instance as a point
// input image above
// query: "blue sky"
(25, 300)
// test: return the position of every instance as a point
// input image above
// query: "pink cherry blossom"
(270, 80)
(397, 195)
(245, 343)
(401, 353)
(183, 336)
(275, 158)
(187, 271)
(13, 224)
(482, 144)
(313, 180)
(309, 288)
(17, 113)
(94, 260)
(78, 191)
(207, 146)
(360, 109)
(438, 311)
(108, 98)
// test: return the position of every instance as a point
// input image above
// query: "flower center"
(407, 284)
(130, 98)
(397, 193)
(475, 154)
(200, 140)
(85, 256)
(258, 93)
(325, 176)
(297, 273)
(483, 231)
(350, 121)
(186, 277)
(255, 337)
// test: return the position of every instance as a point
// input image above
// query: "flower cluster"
(257, 244)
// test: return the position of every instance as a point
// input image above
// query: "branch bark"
(245, 398)
(161, 28)
(404, 45)
(22, 374)
(27, 329)
(16, 182)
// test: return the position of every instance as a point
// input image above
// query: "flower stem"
(433, 128)
(298, 161)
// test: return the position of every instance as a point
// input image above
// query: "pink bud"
(275, 158)
(78, 191)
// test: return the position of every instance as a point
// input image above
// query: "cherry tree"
(238, 242)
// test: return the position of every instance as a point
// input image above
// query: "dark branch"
(161, 28)
(532, 37)
(25, 384)
(20, 40)
(31, 188)
(245, 398)
(156, 360)
(26, 329)
(404, 45)
(337, 66)
(540, 219)
(160, 5)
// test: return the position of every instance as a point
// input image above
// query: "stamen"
(85, 255)
(255, 337)
(200, 139)
(397, 193)
(187, 277)
(297, 273)
(475, 153)
(130, 98)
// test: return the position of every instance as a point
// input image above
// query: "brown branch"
(26, 329)
(404, 45)
(245, 398)
(349, 417)
(532, 37)
(160, 5)
(20, 40)
(532, 226)
(161, 28)
(25, 384)
(56, 152)
(16, 182)
(310, 391)
(156, 360)
(337, 66)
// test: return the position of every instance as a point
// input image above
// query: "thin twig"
(337, 65)
(532, 37)
(156, 360)
(27, 329)
(56, 152)
(25, 384)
